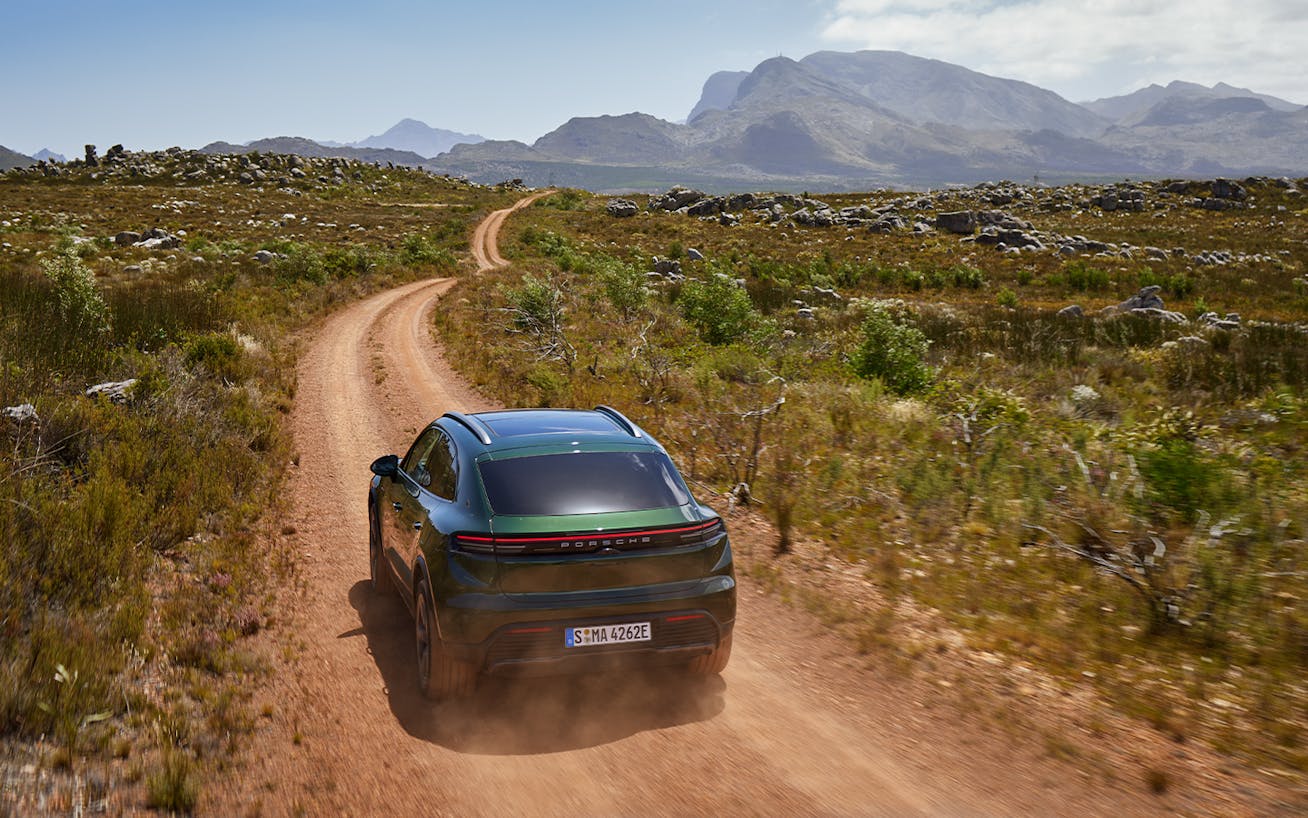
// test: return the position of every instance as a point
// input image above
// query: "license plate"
(606, 634)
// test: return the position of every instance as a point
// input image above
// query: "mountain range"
(855, 120)
(845, 121)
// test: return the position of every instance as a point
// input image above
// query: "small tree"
(536, 310)
(720, 310)
(81, 306)
(892, 349)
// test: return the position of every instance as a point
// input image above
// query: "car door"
(403, 507)
(437, 478)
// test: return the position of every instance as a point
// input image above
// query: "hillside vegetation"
(137, 561)
(1118, 499)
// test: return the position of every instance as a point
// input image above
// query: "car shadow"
(527, 716)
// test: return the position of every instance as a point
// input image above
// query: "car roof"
(520, 428)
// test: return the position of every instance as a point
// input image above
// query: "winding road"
(797, 724)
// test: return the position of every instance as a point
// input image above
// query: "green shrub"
(299, 262)
(892, 349)
(565, 200)
(536, 310)
(81, 306)
(1006, 298)
(624, 285)
(719, 310)
(1082, 277)
(217, 352)
(418, 249)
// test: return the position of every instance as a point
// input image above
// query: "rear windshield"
(582, 483)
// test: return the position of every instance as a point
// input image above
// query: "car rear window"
(582, 483)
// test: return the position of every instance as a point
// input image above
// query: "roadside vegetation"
(1119, 501)
(137, 560)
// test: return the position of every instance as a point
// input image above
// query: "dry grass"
(137, 566)
(1177, 462)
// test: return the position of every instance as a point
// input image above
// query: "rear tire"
(379, 572)
(711, 664)
(439, 676)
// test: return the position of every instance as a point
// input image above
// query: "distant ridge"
(301, 146)
(13, 159)
(47, 155)
(1134, 106)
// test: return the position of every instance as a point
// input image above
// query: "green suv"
(541, 541)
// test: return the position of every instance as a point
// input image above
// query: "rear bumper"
(524, 634)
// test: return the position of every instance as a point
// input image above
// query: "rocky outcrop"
(622, 208)
(958, 221)
(115, 391)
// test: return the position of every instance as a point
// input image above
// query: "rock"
(1161, 314)
(675, 199)
(1000, 219)
(246, 179)
(1227, 189)
(621, 208)
(1071, 311)
(705, 207)
(1230, 323)
(1146, 299)
(264, 256)
(888, 223)
(728, 220)
(960, 221)
(22, 413)
(115, 391)
(741, 201)
(667, 266)
(694, 255)
(126, 238)
(91, 161)
(157, 239)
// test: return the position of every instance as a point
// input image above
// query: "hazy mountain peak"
(718, 93)
(926, 90)
(417, 137)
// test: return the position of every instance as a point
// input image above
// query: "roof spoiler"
(621, 419)
(479, 429)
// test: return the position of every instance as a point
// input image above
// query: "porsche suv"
(542, 541)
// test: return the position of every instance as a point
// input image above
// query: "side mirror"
(386, 465)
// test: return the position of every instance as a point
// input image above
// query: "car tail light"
(591, 541)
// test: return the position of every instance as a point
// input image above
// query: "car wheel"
(439, 676)
(712, 663)
(378, 571)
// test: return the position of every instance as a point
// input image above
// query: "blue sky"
(153, 74)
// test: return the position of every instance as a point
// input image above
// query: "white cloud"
(1084, 49)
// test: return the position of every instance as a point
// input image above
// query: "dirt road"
(795, 726)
